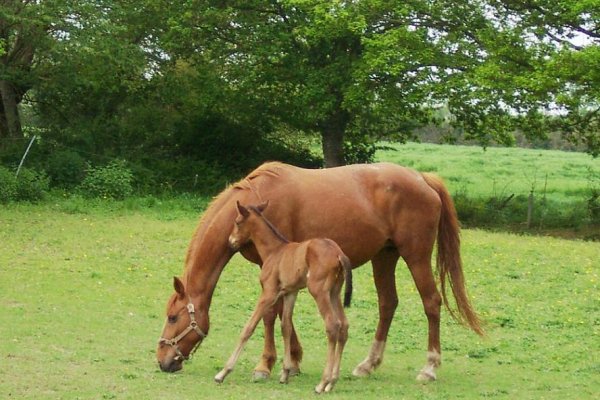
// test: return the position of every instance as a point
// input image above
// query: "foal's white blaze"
(434, 359)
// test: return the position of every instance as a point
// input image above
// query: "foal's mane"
(269, 224)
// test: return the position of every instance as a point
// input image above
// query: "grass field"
(498, 171)
(83, 290)
(491, 187)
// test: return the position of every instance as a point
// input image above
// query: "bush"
(8, 185)
(31, 185)
(28, 186)
(66, 169)
(111, 181)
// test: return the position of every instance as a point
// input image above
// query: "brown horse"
(318, 264)
(376, 212)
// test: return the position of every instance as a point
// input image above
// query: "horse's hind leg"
(384, 268)
(425, 282)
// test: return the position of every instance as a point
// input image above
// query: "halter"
(193, 326)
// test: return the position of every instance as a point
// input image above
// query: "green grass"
(500, 171)
(83, 291)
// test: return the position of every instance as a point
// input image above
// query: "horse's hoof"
(426, 376)
(294, 371)
(258, 376)
(361, 371)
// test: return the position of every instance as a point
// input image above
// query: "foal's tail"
(449, 263)
(345, 262)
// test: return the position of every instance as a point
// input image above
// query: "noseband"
(193, 326)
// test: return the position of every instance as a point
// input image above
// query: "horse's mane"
(269, 169)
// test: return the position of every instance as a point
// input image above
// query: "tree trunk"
(10, 122)
(332, 134)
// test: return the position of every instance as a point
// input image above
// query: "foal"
(318, 264)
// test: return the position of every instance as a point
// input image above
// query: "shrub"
(66, 169)
(8, 185)
(111, 181)
(31, 185)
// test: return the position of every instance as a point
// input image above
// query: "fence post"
(24, 155)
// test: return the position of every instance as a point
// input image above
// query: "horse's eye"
(172, 319)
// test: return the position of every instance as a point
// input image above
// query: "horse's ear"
(242, 210)
(178, 286)
(263, 206)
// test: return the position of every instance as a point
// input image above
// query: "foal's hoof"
(258, 376)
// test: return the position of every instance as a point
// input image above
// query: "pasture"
(491, 187)
(83, 290)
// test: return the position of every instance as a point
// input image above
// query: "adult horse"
(376, 212)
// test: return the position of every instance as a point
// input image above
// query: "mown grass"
(83, 290)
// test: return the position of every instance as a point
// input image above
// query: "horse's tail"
(448, 260)
(345, 262)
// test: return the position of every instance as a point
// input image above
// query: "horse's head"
(242, 227)
(182, 333)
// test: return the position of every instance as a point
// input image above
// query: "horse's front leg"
(269, 357)
(384, 268)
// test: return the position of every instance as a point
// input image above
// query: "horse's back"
(363, 208)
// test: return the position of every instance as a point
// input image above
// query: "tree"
(355, 69)
(22, 32)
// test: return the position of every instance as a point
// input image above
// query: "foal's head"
(243, 225)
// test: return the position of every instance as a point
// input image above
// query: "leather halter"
(193, 326)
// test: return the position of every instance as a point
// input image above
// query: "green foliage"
(66, 169)
(28, 186)
(32, 185)
(111, 181)
(8, 185)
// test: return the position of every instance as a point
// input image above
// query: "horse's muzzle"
(172, 366)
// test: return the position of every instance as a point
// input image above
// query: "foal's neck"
(266, 237)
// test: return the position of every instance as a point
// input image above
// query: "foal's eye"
(172, 319)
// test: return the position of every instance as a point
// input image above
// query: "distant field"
(83, 291)
(502, 171)
(491, 187)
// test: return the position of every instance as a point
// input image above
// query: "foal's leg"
(286, 329)
(332, 327)
(425, 282)
(384, 268)
(265, 365)
(342, 337)
(265, 302)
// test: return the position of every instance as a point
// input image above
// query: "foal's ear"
(242, 210)
(263, 206)
(178, 286)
